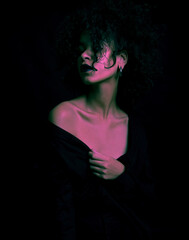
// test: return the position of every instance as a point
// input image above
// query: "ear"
(122, 58)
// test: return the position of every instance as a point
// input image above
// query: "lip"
(85, 68)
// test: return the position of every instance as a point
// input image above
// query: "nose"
(87, 54)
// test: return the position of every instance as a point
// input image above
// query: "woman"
(101, 177)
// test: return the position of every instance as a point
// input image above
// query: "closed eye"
(81, 49)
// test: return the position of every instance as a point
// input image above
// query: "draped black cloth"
(88, 207)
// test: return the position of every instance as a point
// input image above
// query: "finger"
(97, 169)
(97, 163)
(98, 174)
(96, 155)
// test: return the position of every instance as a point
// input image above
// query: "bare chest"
(109, 138)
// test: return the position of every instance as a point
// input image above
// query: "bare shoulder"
(62, 115)
(122, 115)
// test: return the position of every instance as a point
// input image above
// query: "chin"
(87, 82)
(92, 81)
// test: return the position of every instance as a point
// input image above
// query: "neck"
(102, 98)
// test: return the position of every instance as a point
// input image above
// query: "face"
(87, 60)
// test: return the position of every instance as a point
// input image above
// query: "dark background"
(33, 89)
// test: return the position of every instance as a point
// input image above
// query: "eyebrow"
(84, 43)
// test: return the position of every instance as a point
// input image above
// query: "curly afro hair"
(132, 29)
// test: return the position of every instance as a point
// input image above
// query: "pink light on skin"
(104, 60)
(95, 117)
(103, 78)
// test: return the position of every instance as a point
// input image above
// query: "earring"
(120, 71)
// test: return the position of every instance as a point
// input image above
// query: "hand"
(104, 166)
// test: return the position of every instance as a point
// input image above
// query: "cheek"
(103, 73)
(106, 59)
(100, 75)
